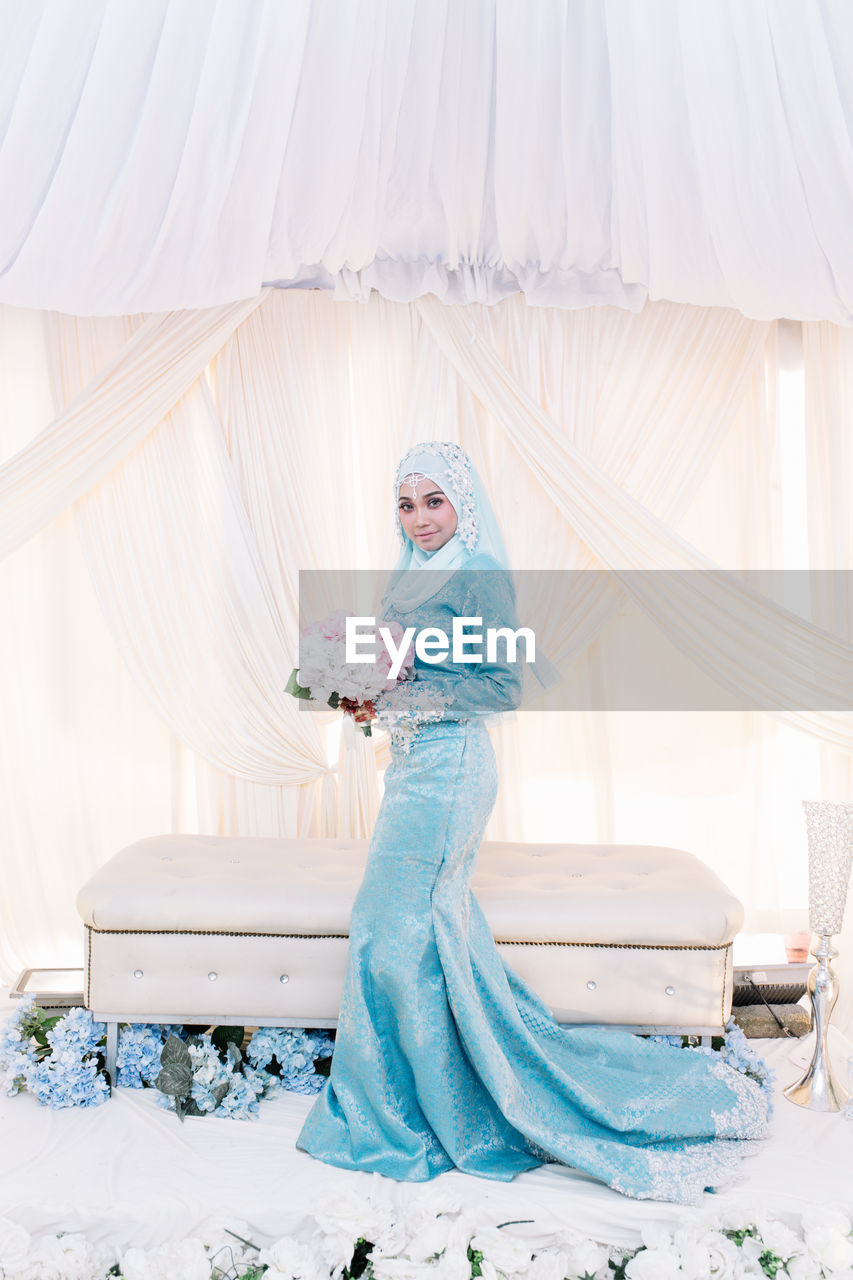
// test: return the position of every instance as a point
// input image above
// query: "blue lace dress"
(444, 1056)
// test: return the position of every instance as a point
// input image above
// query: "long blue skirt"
(445, 1058)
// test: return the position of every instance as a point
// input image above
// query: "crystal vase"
(830, 835)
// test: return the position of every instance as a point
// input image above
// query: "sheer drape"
(828, 360)
(85, 764)
(279, 458)
(184, 588)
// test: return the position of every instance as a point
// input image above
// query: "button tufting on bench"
(265, 922)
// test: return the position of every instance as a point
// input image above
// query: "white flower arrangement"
(324, 675)
(385, 1236)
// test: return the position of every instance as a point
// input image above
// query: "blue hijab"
(419, 573)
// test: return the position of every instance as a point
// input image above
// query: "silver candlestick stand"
(830, 833)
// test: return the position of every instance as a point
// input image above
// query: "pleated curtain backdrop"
(603, 436)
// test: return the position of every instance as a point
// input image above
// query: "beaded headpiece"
(454, 477)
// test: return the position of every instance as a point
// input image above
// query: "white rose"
(434, 1202)
(505, 1252)
(220, 1239)
(185, 1258)
(454, 1263)
(779, 1239)
(830, 1248)
(710, 1255)
(432, 1238)
(72, 1257)
(15, 1244)
(403, 1269)
(653, 1264)
(293, 1260)
(804, 1268)
(345, 1214)
(832, 1217)
(656, 1236)
(585, 1257)
(552, 1264)
(335, 1248)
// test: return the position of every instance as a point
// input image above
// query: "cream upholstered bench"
(207, 929)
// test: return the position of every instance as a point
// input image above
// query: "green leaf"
(221, 1037)
(235, 1057)
(176, 1069)
(741, 1234)
(175, 1052)
(192, 1108)
(295, 688)
(334, 701)
(175, 1080)
(220, 1091)
(475, 1257)
(360, 1259)
(49, 1023)
(322, 1066)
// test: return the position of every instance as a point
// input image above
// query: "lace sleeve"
(412, 702)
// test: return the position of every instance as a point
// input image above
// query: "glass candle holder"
(830, 834)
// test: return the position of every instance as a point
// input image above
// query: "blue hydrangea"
(304, 1082)
(71, 1073)
(138, 1055)
(295, 1051)
(263, 1084)
(16, 1049)
(77, 1033)
(67, 1081)
(240, 1102)
(209, 1072)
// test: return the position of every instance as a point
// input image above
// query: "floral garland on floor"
(61, 1060)
(381, 1237)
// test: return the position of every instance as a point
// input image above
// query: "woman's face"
(426, 514)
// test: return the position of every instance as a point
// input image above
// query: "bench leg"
(112, 1050)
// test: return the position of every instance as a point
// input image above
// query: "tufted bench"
(207, 929)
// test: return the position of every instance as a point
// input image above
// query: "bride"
(444, 1057)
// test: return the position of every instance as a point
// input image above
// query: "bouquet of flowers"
(324, 675)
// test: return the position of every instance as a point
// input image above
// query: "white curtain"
(85, 764)
(194, 538)
(163, 154)
(745, 642)
(183, 586)
(828, 359)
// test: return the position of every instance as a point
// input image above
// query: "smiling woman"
(444, 1056)
(428, 517)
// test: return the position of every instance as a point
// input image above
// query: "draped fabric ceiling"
(164, 154)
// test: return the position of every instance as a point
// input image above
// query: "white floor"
(130, 1173)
